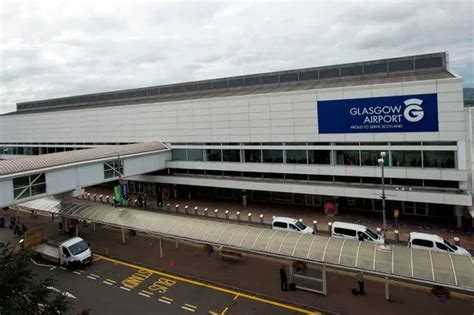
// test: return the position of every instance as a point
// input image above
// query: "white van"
(434, 242)
(290, 224)
(355, 232)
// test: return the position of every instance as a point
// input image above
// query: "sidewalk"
(308, 214)
(258, 275)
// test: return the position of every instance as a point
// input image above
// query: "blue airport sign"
(407, 113)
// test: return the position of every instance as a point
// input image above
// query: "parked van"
(434, 242)
(355, 232)
(290, 224)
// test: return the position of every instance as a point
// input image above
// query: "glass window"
(439, 159)
(78, 248)
(296, 156)
(300, 225)
(347, 157)
(178, 154)
(195, 155)
(406, 158)
(273, 156)
(214, 155)
(319, 156)
(253, 156)
(423, 243)
(21, 182)
(27, 186)
(231, 155)
(370, 158)
(443, 247)
(282, 225)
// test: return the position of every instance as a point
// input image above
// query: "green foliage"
(22, 291)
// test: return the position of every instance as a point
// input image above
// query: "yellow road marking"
(212, 287)
(225, 310)
(236, 297)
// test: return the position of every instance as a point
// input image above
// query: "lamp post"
(381, 162)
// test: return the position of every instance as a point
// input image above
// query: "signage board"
(407, 113)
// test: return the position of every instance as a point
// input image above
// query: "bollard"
(135, 203)
(176, 208)
(195, 210)
(249, 216)
(168, 207)
(100, 198)
(206, 212)
(227, 214)
(216, 213)
(160, 205)
(186, 209)
(107, 199)
(397, 235)
(261, 218)
(95, 197)
(238, 215)
(379, 230)
(329, 227)
(89, 196)
(315, 225)
(457, 241)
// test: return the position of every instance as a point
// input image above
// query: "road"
(111, 286)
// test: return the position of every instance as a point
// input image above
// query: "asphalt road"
(110, 286)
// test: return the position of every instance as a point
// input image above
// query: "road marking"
(164, 301)
(167, 298)
(188, 309)
(94, 275)
(77, 272)
(91, 277)
(111, 280)
(62, 268)
(189, 305)
(225, 310)
(51, 267)
(143, 294)
(147, 292)
(96, 259)
(212, 287)
(106, 282)
(124, 288)
(236, 297)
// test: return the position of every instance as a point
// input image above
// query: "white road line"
(62, 268)
(124, 288)
(77, 273)
(109, 283)
(189, 305)
(143, 294)
(51, 267)
(164, 301)
(91, 277)
(110, 280)
(188, 309)
(167, 298)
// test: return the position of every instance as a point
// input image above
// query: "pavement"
(252, 277)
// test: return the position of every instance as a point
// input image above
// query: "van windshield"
(372, 234)
(78, 248)
(452, 246)
(300, 225)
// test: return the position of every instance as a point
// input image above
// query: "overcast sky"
(61, 48)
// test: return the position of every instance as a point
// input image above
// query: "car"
(355, 232)
(434, 242)
(290, 224)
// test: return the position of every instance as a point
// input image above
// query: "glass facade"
(272, 156)
(406, 158)
(214, 155)
(253, 156)
(347, 157)
(28, 186)
(231, 155)
(439, 159)
(296, 157)
(319, 157)
(195, 155)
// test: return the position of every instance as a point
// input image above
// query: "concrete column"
(123, 235)
(387, 292)
(77, 230)
(175, 192)
(244, 198)
(458, 212)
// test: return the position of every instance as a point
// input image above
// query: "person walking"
(360, 281)
(283, 279)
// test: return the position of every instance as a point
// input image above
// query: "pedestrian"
(283, 279)
(360, 281)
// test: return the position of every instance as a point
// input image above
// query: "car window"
(293, 227)
(66, 252)
(78, 248)
(423, 243)
(443, 247)
(280, 224)
(300, 225)
(362, 236)
(372, 234)
(452, 246)
(347, 232)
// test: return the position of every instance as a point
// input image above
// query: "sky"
(61, 48)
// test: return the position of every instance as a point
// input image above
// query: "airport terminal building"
(306, 137)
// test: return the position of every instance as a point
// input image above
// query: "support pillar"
(123, 235)
(244, 198)
(160, 243)
(176, 243)
(458, 212)
(93, 226)
(77, 230)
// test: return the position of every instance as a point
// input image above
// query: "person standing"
(360, 281)
(283, 279)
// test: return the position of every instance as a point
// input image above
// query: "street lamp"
(381, 162)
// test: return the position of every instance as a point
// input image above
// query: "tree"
(22, 291)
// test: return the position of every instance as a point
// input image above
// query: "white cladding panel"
(272, 117)
(145, 163)
(6, 189)
(61, 180)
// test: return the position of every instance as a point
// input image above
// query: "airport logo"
(409, 113)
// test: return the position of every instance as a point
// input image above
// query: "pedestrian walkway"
(308, 214)
(260, 276)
